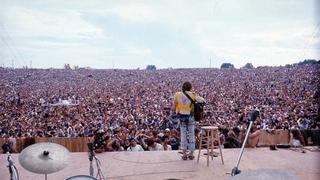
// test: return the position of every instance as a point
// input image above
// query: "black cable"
(14, 57)
(13, 45)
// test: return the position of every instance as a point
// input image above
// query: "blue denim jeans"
(187, 124)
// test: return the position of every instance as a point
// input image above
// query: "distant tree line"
(223, 65)
(309, 61)
(151, 67)
(250, 66)
(227, 66)
(231, 66)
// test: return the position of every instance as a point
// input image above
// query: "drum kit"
(47, 158)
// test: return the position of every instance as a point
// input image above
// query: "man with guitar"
(188, 107)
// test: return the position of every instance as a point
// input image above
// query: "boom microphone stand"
(253, 116)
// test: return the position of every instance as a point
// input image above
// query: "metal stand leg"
(208, 144)
(92, 156)
(100, 173)
(212, 143)
(219, 143)
(12, 169)
(235, 170)
(200, 146)
(91, 171)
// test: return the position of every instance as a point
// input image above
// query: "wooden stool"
(209, 134)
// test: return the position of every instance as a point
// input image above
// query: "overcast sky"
(167, 33)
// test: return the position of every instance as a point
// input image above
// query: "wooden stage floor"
(168, 165)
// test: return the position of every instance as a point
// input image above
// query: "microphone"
(254, 115)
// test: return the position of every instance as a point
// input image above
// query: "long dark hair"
(186, 86)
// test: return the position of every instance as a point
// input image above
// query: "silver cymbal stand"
(14, 175)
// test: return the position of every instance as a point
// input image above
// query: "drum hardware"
(44, 158)
(81, 177)
(14, 175)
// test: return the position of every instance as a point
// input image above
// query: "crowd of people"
(131, 109)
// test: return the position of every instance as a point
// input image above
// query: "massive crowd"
(132, 108)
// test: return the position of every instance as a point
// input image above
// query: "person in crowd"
(134, 146)
(165, 143)
(254, 134)
(154, 146)
(8, 147)
(296, 138)
(13, 141)
(142, 140)
(231, 141)
(114, 145)
(297, 141)
(174, 139)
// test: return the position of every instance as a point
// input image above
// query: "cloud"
(135, 12)
(166, 33)
(282, 35)
(274, 56)
(66, 24)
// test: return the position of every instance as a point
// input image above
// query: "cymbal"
(44, 158)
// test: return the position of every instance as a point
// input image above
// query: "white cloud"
(66, 24)
(135, 12)
(266, 56)
(104, 31)
(299, 34)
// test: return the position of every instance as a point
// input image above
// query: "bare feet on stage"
(186, 156)
(191, 157)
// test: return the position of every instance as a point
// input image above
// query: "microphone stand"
(12, 168)
(92, 155)
(46, 155)
(100, 173)
(253, 116)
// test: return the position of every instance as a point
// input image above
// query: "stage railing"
(268, 138)
(79, 144)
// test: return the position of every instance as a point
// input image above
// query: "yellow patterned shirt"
(182, 103)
